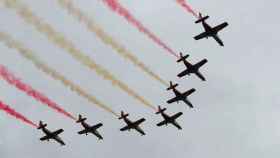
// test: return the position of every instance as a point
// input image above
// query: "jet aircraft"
(50, 135)
(210, 31)
(180, 96)
(89, 129)
(130, 124)
(191, 68)
(168, 119)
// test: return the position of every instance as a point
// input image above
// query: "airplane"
(50, 135)
(210, 31)
(88, 128)
(180, 96)
(168, 119)
(191, 68)
(132, 125)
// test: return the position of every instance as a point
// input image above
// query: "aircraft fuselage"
(170, 120)
(192, 69)
(209, 29)
(48, 133)
(177, 93)
(85, 125)
(167, 118)
(129, 123)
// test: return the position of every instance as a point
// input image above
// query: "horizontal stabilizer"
(202, 19)
(80, 119)
(41, 125)
(182, 57)
(160, 110)
(172, 86)
(123, 115)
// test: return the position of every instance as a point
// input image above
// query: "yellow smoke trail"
(29, 55)
(58, 39)
(107, 39)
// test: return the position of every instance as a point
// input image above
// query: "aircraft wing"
(198, 74)
(202, 35)
(140, 130)
(83, 131)
(125, 128)
(45, 138)
(183, 73)
(58, 132)
(97, 135)
(138, 122)
(201, 63)
(59, 140)
(218, 40)
(176, 125)
(162, 123)
(189, 92)
(220, 27)
(174, 117)
(188, 103)
(173, 100)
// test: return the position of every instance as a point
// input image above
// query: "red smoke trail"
(17, 115)
(187, 7)
(11, 79)
(117, 7)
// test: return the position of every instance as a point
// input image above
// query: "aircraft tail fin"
(81, 119)
(201, 18)
(160, 110)
(123, 115)
(172, 86)
(41, 125)
(182, 58)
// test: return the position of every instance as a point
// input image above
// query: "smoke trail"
(107, 39)
(30, 55)
(115, 6)
(187, 7)
(15, 114)
(13, 80)
(58, 39)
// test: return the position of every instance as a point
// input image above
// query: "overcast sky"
(236, 111)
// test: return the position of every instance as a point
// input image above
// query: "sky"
(236, 110)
